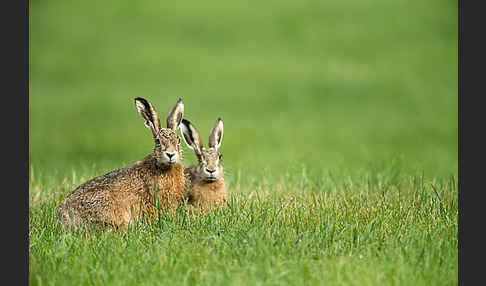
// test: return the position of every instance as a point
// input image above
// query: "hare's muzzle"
(171, 157)
(210, 174)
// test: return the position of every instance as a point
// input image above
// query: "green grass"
(374, 229)
(340, 143)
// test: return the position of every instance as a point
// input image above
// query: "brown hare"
(205, 186)
(137, 190)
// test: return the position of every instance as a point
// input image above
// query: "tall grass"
(371, 229)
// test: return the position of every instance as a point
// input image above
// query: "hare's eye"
(220, 156)
(159, 144)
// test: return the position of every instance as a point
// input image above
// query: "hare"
(137, 190)
(205, 186)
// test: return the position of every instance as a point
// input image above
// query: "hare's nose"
(210, 171)
(170, 155)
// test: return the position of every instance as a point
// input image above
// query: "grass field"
(340, 143)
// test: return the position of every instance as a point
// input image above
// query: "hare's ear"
(216, 135)
(147, 111)
(175, 115)
(191, 136)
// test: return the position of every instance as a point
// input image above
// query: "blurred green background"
(320, 85)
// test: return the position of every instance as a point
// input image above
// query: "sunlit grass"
(372, 229)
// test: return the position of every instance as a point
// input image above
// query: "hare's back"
(103, 194)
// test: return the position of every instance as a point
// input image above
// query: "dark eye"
(220, 156)
(157, 141)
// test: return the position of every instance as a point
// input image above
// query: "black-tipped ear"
(191, 136)
(175, 115)
(143, 108)
(147, 111)
(216, 135)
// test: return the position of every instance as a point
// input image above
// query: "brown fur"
(205, 186)
(135, 191)
(203, 194)
(125, 194)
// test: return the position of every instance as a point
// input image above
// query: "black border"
(14, 22)
(471, 62)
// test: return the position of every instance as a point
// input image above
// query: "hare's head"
(209, 167)
(167, 148)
